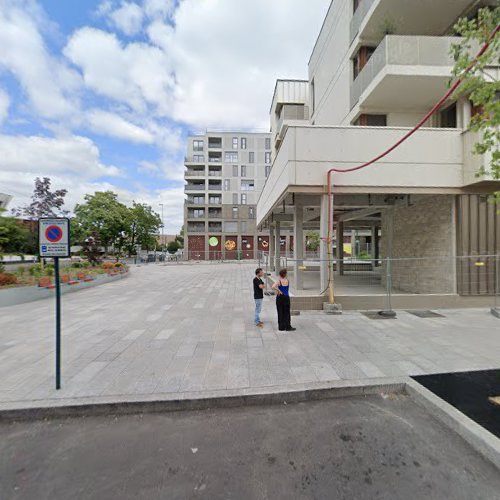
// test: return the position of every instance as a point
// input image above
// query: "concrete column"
(340, 248)
(323, 247)
(298, 246)
(270, 257)
(277, 247)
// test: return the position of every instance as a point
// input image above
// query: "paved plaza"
(177, 329)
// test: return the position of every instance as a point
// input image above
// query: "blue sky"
(101, 94)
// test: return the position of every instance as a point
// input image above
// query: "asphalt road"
(352, 448)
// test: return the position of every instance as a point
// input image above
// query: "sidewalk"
(179, 330)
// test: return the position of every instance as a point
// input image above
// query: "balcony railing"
(194, 173)
(217, 215)
(213, 201)
(195, 229)
(215, 173)
(194, 159)
(397, 50)
(191, 201)
(215, 145)
(215, 159)
(194, 187)
(359, 15)
(215, 187)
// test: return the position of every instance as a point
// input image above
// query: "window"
(235, 212)
(251, 157)
(243, 199)
(197, 145)
(199, 200)
(199, 213)
(268, 157)
(362, 57)
(243, 171)
(227, 184)
(372, 121)
(268, 170)
(247, 185)
(235, 170)
(235, 198)
(268, 143)
(235, 143)
(243, 143)
(214, 200)
(231, 157)
(230, 227)
(199, 158)
(449, 117)
(251, 212)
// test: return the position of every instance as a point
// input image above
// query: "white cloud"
(4, 105)
(136, 74)
(128, 18)
(159, 8)
(45, 156)
(111, 124)
(46, 80)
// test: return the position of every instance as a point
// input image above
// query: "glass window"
(243, 199)
(268, 143)
(247, 185)
(268, 157)
(200, 158)
(243, 226)
(235, 212)
(251, 212)
(235, 198)
(227, 184)
(251, 157)
(243, 171)
(199, 213)
(200, 200)
(231, 157)
(235, 170)
(235, 143)
(214, 200)
(243, 143)
(197, 145)
(268, 170)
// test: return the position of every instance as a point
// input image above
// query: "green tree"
(180, 237)
(144, 226)
(14, 236)
(480, 84)
(44, 201)
(173, 246)
(102, 214)
(312, 239)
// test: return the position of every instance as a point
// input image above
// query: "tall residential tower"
(225, 174)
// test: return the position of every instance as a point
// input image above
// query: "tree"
(480, 84)
(312, 239)
(14, 237)
(103, 215)
(144, 226)
(173, 246)
(44, 202)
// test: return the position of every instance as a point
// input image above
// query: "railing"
(194, 159)
(403, 50)
(191, 201)
(215, 173)
(358, 17)
(215, 160)
(217, 145)
(194, 173)
(194, 187)
(214, 216)
(191, 229)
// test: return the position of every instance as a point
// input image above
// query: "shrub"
(107, 265)
(76, 265)
(35, 269)
(21, 271)
(118, 264)
(7, 279)
(49, 271)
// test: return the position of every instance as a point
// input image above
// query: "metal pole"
(388, 312)
(58, 323)
(496, 310)
(162, 234)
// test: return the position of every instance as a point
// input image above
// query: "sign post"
(53, 234)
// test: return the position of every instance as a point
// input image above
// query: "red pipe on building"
(436, 107)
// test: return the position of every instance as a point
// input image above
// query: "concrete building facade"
(377, 68)
(225, 174)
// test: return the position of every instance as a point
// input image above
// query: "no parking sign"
(54, 237)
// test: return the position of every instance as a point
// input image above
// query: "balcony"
(215, 214)
(194, 201)
(403, 66)
(190, 172)
(215, 227)
(215, 186)
(194, 160)
(215, 172)
(215, 201)
(196, 228)
(215, 158)
(214, 143)
(195, 187)
(193, 215)
(432, 160)
(375, 18)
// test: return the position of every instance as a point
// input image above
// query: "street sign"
(54, 237)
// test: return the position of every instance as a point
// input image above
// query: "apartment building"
(377, 68)
(225, 174)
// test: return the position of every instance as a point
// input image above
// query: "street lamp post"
(162, 234)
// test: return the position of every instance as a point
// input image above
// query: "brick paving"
(189, 328)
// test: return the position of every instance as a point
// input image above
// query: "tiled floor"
(182, 328)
